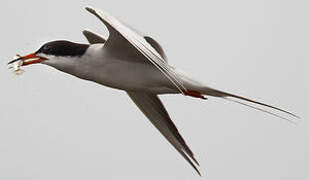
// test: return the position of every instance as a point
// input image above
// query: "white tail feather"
(217, 93)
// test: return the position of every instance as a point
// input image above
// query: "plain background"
(55, 126)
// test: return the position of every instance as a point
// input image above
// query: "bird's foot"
(195, 94)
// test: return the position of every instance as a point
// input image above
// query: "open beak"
(29, 59)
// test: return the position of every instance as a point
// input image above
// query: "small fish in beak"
(16, 64)
(23, 61)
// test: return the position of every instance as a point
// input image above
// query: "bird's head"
(58, 54)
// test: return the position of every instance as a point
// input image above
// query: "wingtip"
(199, 173)
(85, 31)
(90, 9)
(298, 117)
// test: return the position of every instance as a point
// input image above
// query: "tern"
(137, 64)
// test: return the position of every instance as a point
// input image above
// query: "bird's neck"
(79, 66)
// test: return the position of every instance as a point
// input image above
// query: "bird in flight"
(137, 64)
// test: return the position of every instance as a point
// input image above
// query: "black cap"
(63, 48)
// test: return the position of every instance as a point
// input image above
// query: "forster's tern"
(136, 64)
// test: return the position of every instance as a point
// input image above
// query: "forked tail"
(228, 96)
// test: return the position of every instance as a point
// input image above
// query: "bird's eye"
(46, 48)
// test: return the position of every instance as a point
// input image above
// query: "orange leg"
(195, 94)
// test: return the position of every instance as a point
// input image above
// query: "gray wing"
(127, 44)
(93, 38)
(154, 110)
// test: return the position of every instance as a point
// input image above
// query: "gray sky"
(55, 126)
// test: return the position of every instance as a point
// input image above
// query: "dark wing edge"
(155, 111)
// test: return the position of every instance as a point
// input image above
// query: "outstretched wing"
(126, 44)
(154, 110)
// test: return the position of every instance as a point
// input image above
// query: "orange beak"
(29, 59)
